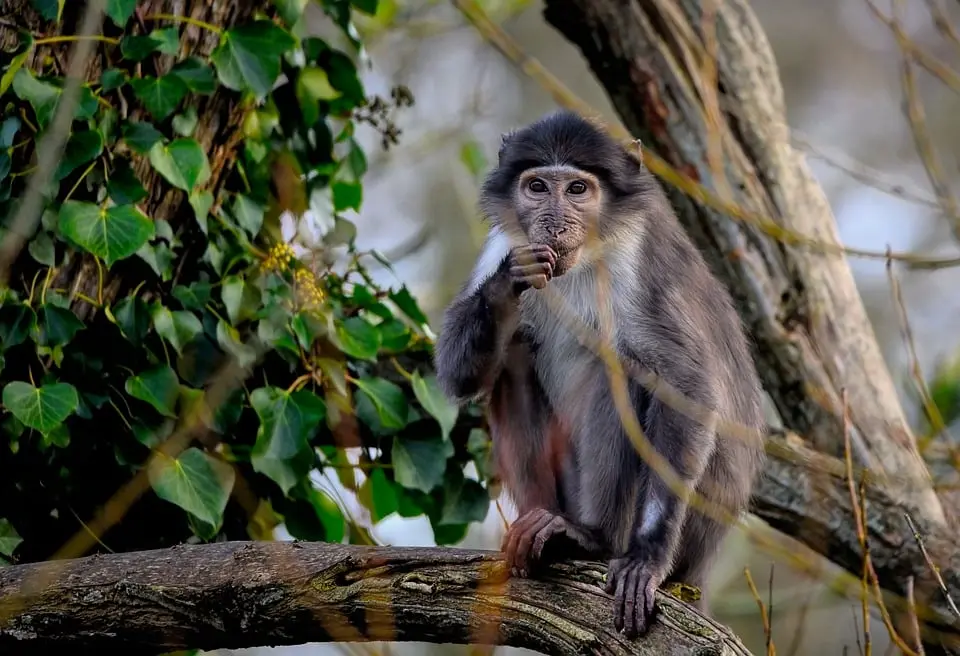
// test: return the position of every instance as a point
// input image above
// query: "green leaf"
(290, 10)
(241, 300)
(379, 495)
(473, 158)
(201, 202)
(182, 163)
(178, 328)
(420, 463)
(343, 233)
(158, 386)
(112, 78)
(159, 95)
(12, 60)
(347, 196)
(358, 338)
(194, 481)
(229, 339)
(40, 408)
(49, 9)
(80, 149)
(196, 75)
(464, 501)
(59, 325)
(9, 538)
(8, 131)
(287, 422)
(141, 136)
(388, 400)
(194, 297)
(408, 305)
(123, 187)
(366, 6)
(111, 234)
(138, 47)
(120, 11)
(41, 249)
(394, 335)
(17, 322)
(248, 213)
(248, 56)
(132, 316)
(42, 96)
(186, 122)
(58, 437)
(313, 86)
(435, 402)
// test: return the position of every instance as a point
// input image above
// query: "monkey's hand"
(633, 580)
(526, 538)
(531, 265)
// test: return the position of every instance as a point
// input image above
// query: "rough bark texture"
(243, 594)
(812, 335)
(220, 114)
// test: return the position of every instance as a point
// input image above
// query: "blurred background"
(839, 67)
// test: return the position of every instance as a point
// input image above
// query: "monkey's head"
(562, 180)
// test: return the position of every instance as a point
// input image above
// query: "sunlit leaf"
(388, 399)
(420, 463)
(41, 408)
(248, 56)
(195, 481)
(178, 328)
(159, 95)
(435, 402)
(158, 386)
(9, 538)
(111, 234)
(182, 162)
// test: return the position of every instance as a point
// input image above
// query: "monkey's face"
(559, 206)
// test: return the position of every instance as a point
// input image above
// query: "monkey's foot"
(633, 582)
(527, 537)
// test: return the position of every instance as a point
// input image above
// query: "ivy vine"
(155, 266)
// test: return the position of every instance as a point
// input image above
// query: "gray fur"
(670, 315)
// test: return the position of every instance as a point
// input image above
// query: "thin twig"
(912, 613)
(764, 617)
(951, 604)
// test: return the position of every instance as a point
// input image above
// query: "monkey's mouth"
(567, 258)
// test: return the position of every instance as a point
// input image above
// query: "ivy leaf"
(408, 305)
(240, 299)
(17, 322)
(13, 60)
(178, 328)
(229, 339)
(195, 74)
(132, 316)
(141, 136)
(112, 78)
(80, 149)
(435, 402)
(185, 123)
(201, 202)
(49, 9)
(42, 96)
(9, 538)
(248, 213)
(120, 11)
(420, 463)
(388, 400)
(248, 56)
(464, 501)
(366, 6)
(194, 297)
(40, 408)
(358, 338)
(182, 163)
(347, 196)
(8, 131)
(287, 422)
(394, 335)
(111, 234)
(196, 482)
(41, 249)
(158, 386)
(159, 95)
(59, 325)
(123, 187)
(379, 495)
(137, 47)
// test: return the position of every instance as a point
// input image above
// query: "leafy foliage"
(164, 256)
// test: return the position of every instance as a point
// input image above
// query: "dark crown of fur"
(565, 138)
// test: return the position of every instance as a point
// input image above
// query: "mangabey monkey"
(559, 442)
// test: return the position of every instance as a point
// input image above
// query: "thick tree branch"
(243, 594)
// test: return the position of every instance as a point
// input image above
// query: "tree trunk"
(246, 594)
(217, 131)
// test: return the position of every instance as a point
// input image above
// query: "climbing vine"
(158, 262)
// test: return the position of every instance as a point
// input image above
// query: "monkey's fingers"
(531, 275)
(533, 253)
(520, 537)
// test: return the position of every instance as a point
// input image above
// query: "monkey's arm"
(687, 446)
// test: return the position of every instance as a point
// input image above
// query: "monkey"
(563, 200)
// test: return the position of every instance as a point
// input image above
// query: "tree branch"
(244, 594)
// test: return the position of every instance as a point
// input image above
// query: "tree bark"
(811, 333)
(245, 594)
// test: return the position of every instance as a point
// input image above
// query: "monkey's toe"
(634, 586)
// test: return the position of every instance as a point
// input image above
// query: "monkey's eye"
(577, 187)
(537, 186)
